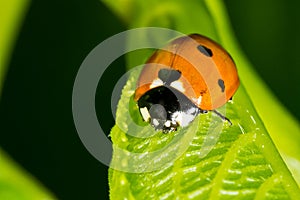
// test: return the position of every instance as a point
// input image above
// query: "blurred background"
(37, 127)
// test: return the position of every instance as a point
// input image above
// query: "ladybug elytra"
(191, 75)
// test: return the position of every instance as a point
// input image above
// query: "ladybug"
(190, 75)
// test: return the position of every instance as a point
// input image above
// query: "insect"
(190, 75)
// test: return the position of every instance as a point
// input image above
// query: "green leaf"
(244, 163)
(281, 125)
(241, 159)
(15, 183)
(11, 14)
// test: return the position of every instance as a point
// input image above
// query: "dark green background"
(37, 128)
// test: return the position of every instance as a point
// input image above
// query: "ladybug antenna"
(223, 117)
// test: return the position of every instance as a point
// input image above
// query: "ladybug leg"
(203, 111)
(223, 117)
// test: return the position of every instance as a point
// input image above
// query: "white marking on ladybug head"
(184, 118)
(167, 124)
(156, 83)
(155, 122)
(145, 114)
(177, 117)
(178, 86)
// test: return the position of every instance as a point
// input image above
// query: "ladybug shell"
(208, 75)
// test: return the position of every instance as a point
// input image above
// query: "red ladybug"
(191, 75)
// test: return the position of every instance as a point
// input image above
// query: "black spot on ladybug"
(204, 50)
(202, 92)
(168, 75)
(221, 84)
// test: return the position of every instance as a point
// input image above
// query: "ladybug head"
(166, 108)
